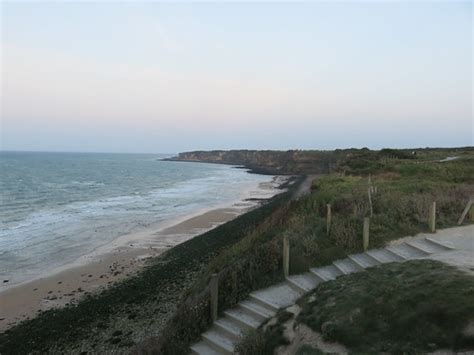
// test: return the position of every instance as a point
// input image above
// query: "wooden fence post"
(365, 233)
(214, 289)
(286, 256)
(466, 210)
(370, 201)
(328, 218)
(432, 217)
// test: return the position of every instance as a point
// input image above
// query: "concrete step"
(264, 303)
(242, 318)
(384, 256)
(252, 310)
(305, 282)
(396, 253)
(219, 341)
(442, 245)
(231, 328)
(364, 260)
(347, 266)
(407, 251)
(281, 295)
(326, 273)
(296, 286)
(203, 348)
(421, 246)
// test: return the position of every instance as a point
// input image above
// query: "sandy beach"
(111, 263)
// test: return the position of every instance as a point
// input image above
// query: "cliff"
(270, 161)
(304, 162)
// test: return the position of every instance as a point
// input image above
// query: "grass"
(255, 260)
(405, 191)
(406, 186)
(416, 306)
(399, 308)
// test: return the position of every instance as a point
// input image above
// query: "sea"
(57, 207)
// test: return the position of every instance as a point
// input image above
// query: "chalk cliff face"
(267, 161)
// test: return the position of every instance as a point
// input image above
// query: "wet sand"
(96, 272)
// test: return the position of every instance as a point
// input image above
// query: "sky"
(175, 76)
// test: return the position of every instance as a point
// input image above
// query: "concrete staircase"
(261, 305)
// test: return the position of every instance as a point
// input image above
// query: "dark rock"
(101, 325)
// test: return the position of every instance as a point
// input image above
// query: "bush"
(416, 306)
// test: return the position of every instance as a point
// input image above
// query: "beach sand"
(110, 264)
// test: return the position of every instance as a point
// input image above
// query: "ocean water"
(57, 207)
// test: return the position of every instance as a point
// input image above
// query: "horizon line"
(232, 149)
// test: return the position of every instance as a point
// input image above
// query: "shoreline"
(124, 257)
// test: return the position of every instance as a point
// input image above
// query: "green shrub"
(412, 307)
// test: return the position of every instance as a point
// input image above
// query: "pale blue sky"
(167, 77)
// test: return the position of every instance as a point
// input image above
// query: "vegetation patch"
(308, 350)
(412, 307)
(405, 189)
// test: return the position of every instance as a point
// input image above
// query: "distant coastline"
(297, 162)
